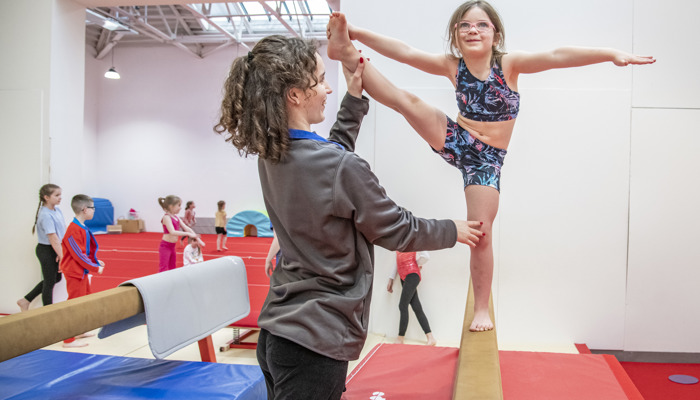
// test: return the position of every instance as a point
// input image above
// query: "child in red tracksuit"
(79, 255)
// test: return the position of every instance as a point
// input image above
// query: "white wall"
(663, 301)
(155, 133)
(41, 82)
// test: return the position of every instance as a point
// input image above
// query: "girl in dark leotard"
(486, 79)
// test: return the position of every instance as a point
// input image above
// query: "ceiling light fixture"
(112, 73)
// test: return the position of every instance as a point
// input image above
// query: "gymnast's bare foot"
(23, 304)
(399, 340)
(481, 322)
(340, 46)
(431, 339)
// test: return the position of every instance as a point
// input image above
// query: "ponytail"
(167, 201)
(36, 218)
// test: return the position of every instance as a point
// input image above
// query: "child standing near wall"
(50, 227)
(172, 229)
(220, 226)
(408, 266)
(79, 255)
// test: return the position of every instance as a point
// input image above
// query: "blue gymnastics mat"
(48, 374)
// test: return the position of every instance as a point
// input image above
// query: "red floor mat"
(652, 380)
(406, 372)
(544, 376)
(133, 255)
(422, 372)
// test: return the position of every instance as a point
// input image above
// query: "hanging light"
(112, 73)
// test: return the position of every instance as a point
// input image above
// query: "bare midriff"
(496, 134)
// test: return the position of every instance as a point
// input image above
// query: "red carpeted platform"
(133, 255)
(395, 371)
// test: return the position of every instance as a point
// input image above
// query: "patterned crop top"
(490, 100)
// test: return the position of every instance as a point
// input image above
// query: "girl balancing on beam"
(485, 78)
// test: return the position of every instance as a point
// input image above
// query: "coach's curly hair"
(254, 111)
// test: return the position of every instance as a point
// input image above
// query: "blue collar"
(300, 134)
(75, 221)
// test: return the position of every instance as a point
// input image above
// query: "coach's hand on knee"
(468, 232)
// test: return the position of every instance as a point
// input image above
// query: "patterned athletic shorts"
(479, 162)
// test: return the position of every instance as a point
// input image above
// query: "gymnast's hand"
(623, 59)
(468, 232)
(354, 79)
(390, 286)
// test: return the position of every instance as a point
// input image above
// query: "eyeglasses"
(481, 26)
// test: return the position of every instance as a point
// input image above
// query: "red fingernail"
(481, 223)
(362, 60)
(483, 234)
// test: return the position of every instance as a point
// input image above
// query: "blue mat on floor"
(48, 374)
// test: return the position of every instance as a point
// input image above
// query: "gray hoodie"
(328, 211)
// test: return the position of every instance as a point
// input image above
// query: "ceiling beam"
(245, 22)
(165, 22)
(279, 17)
(109, 46)
(145, 28)
(191, 8)
(182, 21)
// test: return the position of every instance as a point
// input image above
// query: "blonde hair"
(46, 190)
(168, 201)
(499, 46)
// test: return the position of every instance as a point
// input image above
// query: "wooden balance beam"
(31, 330)
(478, 365)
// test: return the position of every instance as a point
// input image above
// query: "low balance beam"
(478, 365)
(31, 330)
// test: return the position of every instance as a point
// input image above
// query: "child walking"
(328, 211)
(485, 78)
(80, 256)
(173, 228)
(49, 225)
(408, 266)
(220, 226)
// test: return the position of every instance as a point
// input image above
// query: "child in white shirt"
(193, 251)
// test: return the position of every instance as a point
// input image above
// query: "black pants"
(49, 270)
(409, 294)
(293, 372)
